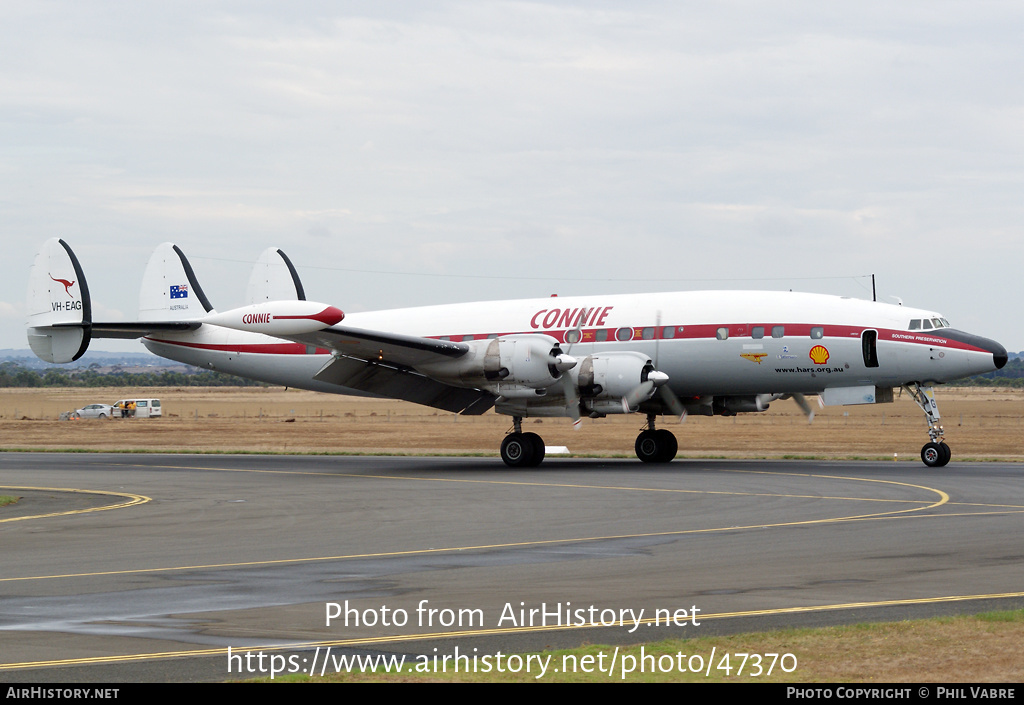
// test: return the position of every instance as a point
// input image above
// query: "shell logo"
(818, 354)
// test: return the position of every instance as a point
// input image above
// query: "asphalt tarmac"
(141, 568)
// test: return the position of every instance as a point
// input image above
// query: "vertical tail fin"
(170, 290)
(274, 279)
(59, 308)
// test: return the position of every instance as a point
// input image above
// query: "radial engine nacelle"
(529, 362)
(616, 382)
(279, 317)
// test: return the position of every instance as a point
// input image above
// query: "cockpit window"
(928, 323)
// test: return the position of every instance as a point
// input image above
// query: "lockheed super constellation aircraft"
(698, 352)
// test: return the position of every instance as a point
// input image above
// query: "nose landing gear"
(936, 453)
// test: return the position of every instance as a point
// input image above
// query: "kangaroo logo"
(66, 283)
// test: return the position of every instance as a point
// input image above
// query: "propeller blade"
(640, 393)
(572, 401)
(801, 401)
(672, 402)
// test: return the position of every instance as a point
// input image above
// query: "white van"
(144, 408)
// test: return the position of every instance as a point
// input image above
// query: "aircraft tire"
(649, 447)
(936, 455)
(517, 451)
(668, 443)
(947, 454)
(538, 448)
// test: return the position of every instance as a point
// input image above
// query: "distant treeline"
(14, 375)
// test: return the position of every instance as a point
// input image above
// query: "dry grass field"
(981, 424)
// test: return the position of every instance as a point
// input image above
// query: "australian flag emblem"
(179, 292)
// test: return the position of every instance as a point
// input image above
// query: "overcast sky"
(417, 153)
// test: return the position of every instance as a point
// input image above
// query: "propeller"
(764, 399)
(669, 398)
(643, 391)
(572, 397)
(572, 401)
(801, 401)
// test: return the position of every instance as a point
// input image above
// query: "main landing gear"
(655, 445)
(526, 450)
(522, 450)
(936, 453)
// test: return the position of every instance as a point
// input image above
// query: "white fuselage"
(707, 342)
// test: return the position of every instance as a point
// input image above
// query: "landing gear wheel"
(668, 443)
(647, 447)
(936, 455)
(538, 448)
(656, 446)
(517, 451)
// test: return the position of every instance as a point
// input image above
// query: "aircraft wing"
(379, 346)
(383, 363)
(403, 383)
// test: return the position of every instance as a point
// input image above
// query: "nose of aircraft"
(999, 356)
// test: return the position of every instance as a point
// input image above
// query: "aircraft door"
(869, 347)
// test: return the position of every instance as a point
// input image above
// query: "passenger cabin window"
(778, 331)
(572, 336)
(817, 333)
(757, 332)
(624, 334)
(647, 334)
(723, 333)
(601, 335)
(668, 332)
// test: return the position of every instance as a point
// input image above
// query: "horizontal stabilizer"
(59, 309)
(139, 329)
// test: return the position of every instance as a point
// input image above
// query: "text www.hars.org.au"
(612, 664)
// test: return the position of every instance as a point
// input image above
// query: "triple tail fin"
(274, 279)
(59, 308)
(60, 324)
(170, 290)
